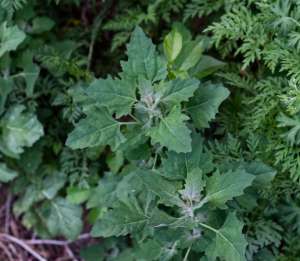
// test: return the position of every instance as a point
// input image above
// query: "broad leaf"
(177, 165)
(121, 220)
(6, 174)
(143, 60)
(221, 188)
(10, 38)
(161, 187)
(178, 90)
(20, 129)
(117, 95)
(98, 128)
(30, 71)
(229, 242)
(62, 218)
(205, 103)
(189, 56)
(206, 66)
(172, 132)
(129, 217)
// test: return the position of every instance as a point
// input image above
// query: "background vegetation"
(149, 130)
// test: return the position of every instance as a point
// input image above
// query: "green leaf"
(117, 95)
(229, 242)
(205, 103)
(123, 219)
(194, 185)
(172, 132)
(20, 129)
(6, 174)
(115, 161)
(221, 188)
(10, 38)
(30, 71)
(77, 195)
(161, 187)
(143, 60)
(206, 66)
(42, 24)
(172, 45)
(189, 56)
(178, 90)
(177, 165)
(62, 218)
(53, 183)
(98, 128)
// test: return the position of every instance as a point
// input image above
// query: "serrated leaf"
(178, 90)
(10, 38)
(117, 95)
(172, 45)
(172, 132)
(177, 165)
(98, 128)
(6, 174)
(62, 218)
(205, 103)
(164, 189)
(221, 188)
(229, 242)
(194, 185)
(122, 220)
(20, 129)
(143, 60)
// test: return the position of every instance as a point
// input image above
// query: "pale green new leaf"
(172, 45)
(98, 128)
(172, 132)
(204, 106)
(117, 95)
(194, 185)
(63, 218)
(229, 242)
(20, 129)
(143, 60)
(189, 56)
(178, 90)
(10, 38)
(6, 174)
(221, 188)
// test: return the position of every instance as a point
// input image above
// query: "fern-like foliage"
(12, 5)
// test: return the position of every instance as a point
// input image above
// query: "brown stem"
(23, 245)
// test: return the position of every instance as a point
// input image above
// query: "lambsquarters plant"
(169, 197)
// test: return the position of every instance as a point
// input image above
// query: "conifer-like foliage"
(161, 130)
